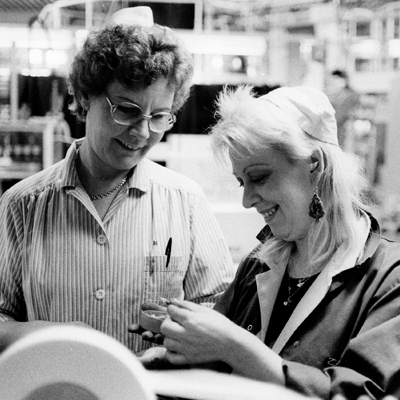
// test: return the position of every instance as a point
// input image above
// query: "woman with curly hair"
(90, 239)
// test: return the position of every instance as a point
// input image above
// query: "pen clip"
(168, 251)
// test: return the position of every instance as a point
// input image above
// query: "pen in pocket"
(168, 252)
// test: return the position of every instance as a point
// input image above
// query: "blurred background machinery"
(348, 48)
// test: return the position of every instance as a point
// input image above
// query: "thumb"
(135, 328)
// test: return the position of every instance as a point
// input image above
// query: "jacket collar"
(370, 246)
(269, 282)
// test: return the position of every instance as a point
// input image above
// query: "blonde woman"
(316, 306)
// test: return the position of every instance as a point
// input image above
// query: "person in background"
(315, 307)
(344, 100)
(90, 239)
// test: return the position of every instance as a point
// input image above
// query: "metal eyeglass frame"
(149, 118)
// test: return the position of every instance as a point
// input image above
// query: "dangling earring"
(316, 207)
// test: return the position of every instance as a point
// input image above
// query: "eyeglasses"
(127, 114)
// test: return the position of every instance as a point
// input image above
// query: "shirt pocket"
(161, 281)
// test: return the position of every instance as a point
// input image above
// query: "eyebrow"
(256, 165)
(119, 101)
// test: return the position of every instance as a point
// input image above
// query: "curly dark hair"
(136, 56)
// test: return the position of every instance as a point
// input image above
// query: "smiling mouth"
(129, 146)
(270, 212)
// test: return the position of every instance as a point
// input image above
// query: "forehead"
(259, 159)
(159, 96)
(118, 88)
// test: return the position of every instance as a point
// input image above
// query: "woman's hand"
(362, 397)
(195, 334)
(153, 358)
(147, 335)
(198, 335)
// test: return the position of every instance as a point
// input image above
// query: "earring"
(316, 207)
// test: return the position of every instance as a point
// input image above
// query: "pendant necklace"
(299, 284)
(101, 196)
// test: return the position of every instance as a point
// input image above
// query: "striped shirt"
(60, 262)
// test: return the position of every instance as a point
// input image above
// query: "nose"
(140, 129)
(250, 198)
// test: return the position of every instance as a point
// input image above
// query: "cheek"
(297, 197)
(154, 138)
(98, 124)
(300, 212)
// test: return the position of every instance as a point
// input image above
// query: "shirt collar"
(138, 178)
(264, 234)
(372, 240)
(69, 175)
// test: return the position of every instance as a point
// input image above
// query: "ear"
(317, 164)
(84, 101)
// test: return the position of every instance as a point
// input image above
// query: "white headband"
(309, 108)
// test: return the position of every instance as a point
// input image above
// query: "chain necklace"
(299, 284)
(101, 196)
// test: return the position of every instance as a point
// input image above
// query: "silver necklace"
(101, 196)
(300, 283)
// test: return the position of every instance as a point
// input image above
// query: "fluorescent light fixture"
(366, 48)
(5, 71)
(394, 48)
(55, 58)
(35, 56)
(36, 72)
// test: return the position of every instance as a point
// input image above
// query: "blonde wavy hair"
(247, 124)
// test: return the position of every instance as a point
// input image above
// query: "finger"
(187, 305)
(159, 338)
(135, 328)
(152, 306)
(153, 358)
(172, 345)
(178, 314)
(175, 358)
(172, 329)
(148, 336)
(338, 396)
(156, 363)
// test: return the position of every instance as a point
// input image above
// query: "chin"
(130, 162)
(278, 234)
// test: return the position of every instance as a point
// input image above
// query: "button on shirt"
(60, 262)
(100, 294)
(101, 239)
